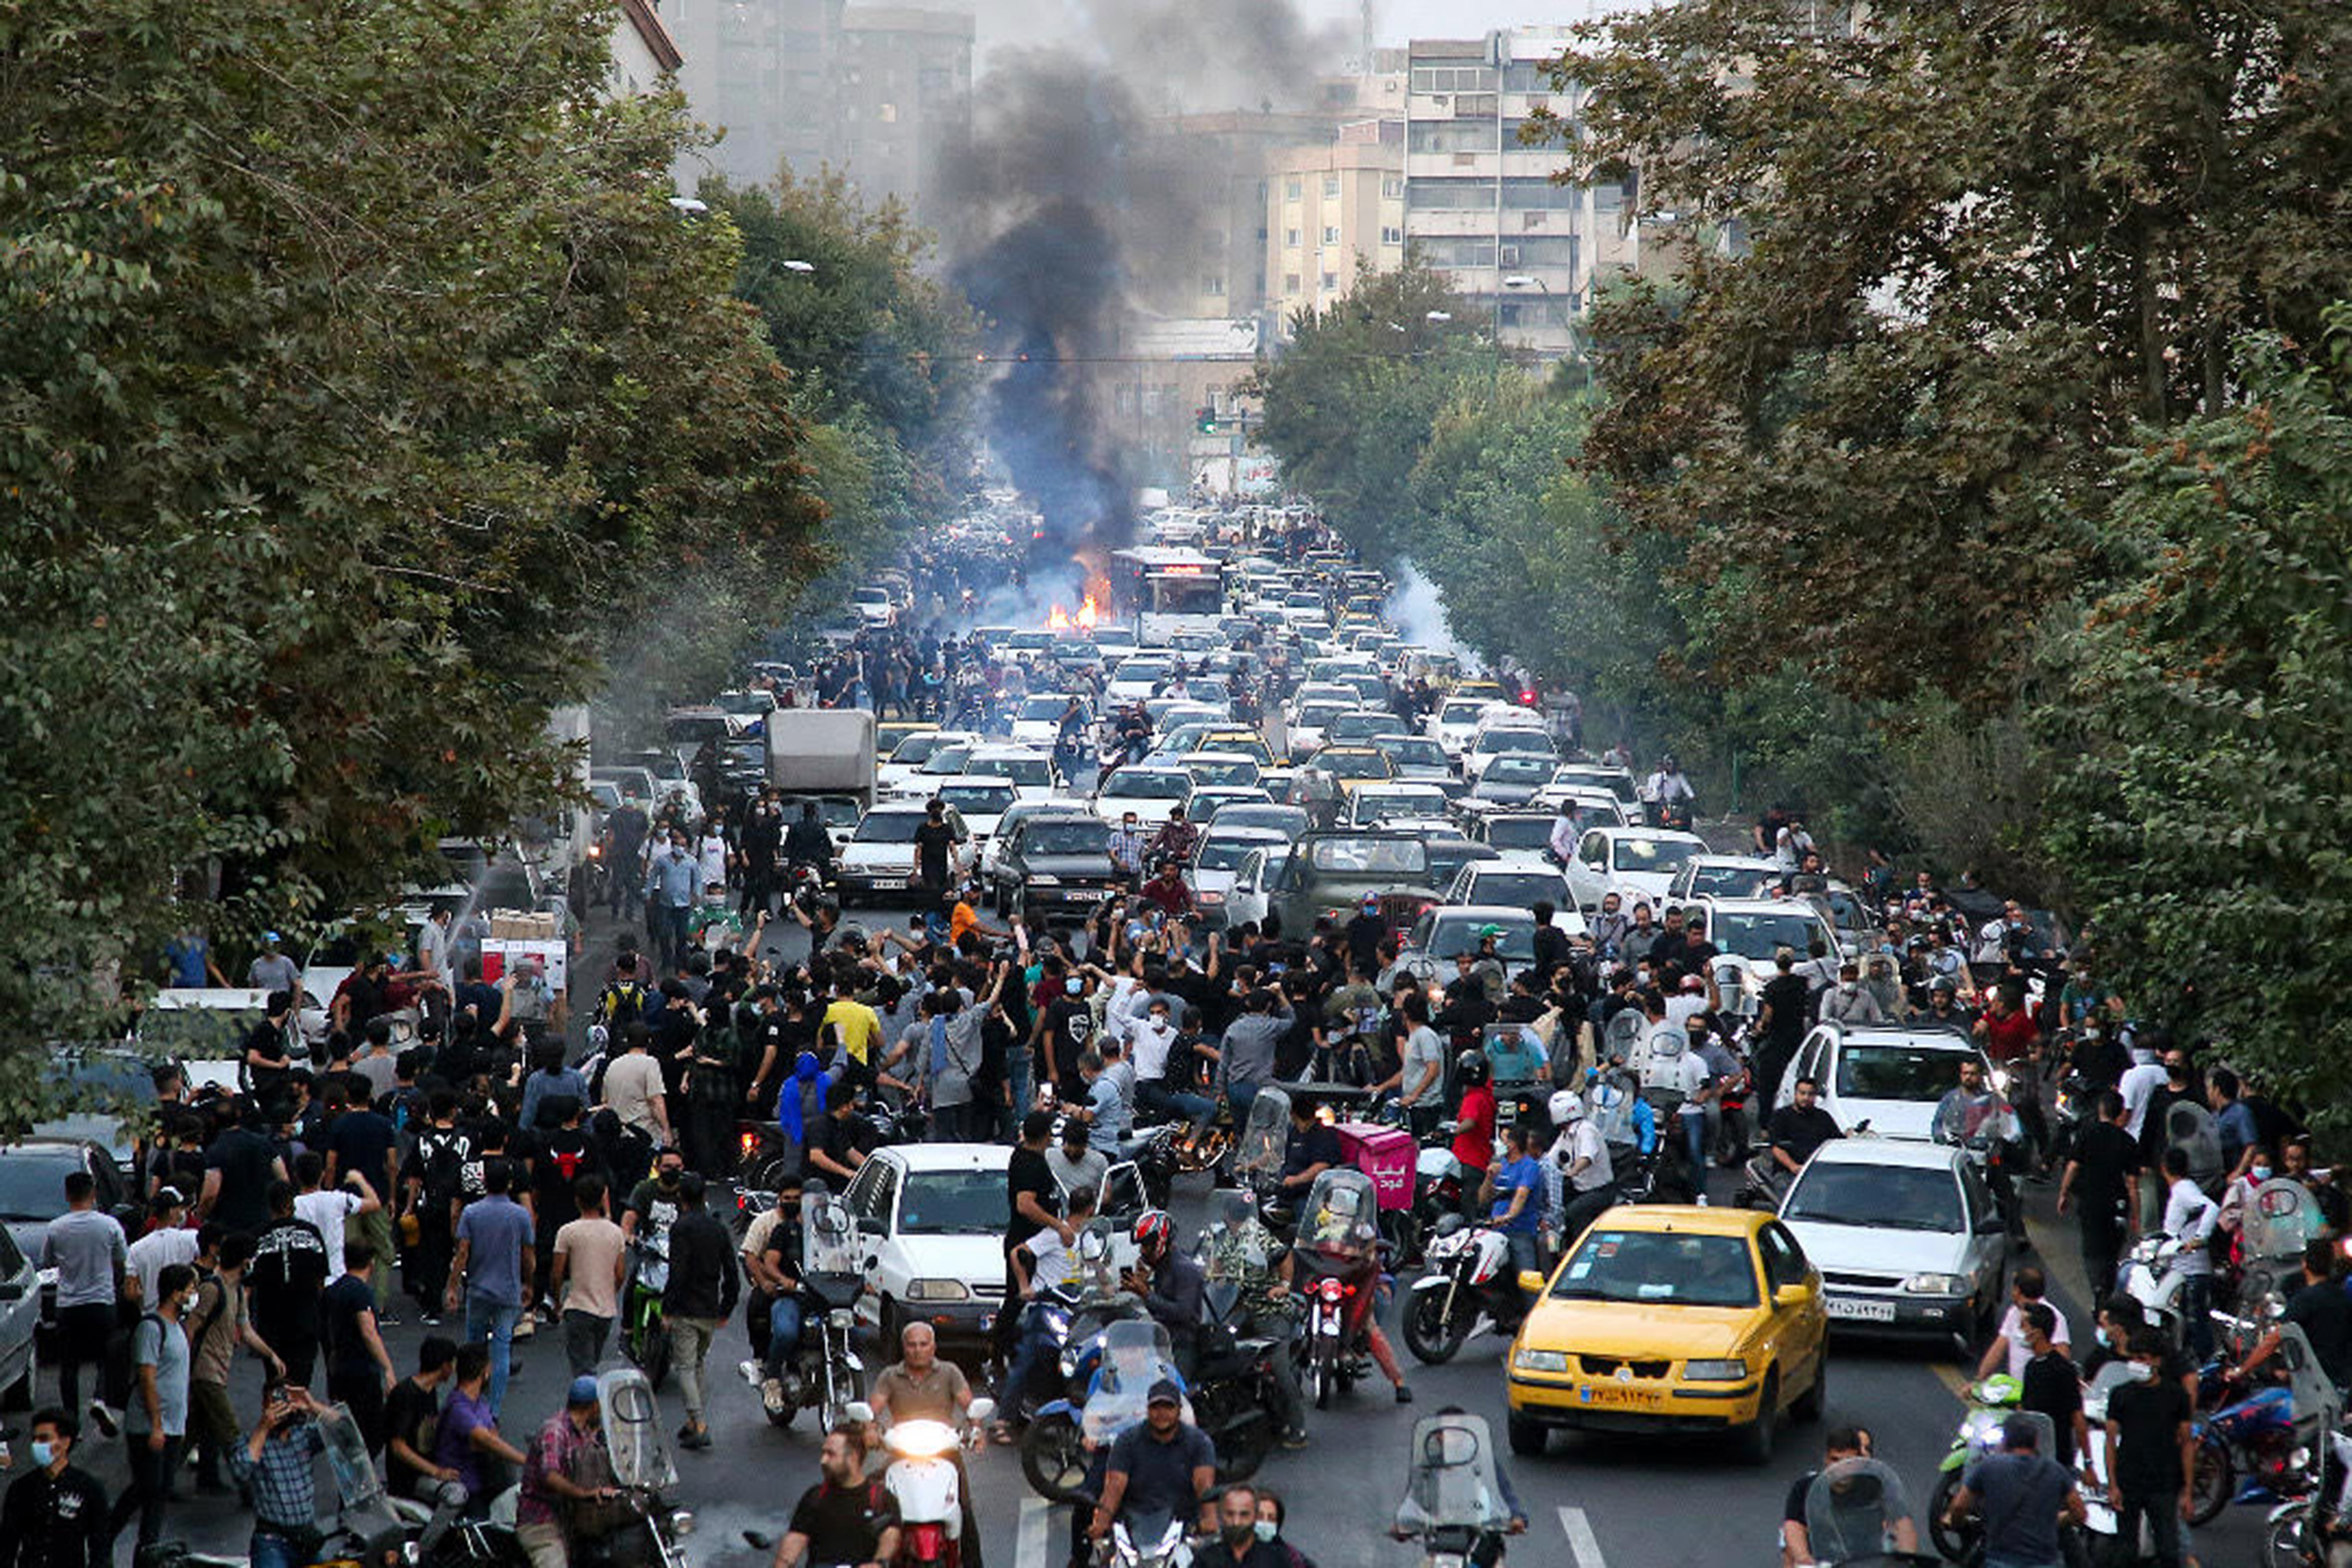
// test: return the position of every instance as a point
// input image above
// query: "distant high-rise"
(1333, 213)
(904, 87)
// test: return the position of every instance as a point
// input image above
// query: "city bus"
(1161, 590)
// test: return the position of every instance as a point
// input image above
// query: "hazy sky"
(1014, 22)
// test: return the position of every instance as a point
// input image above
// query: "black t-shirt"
(934, 841)
(2148, 1418)
(359, 1141)
(288, 1271)
(844, 1525)
(1029, 1173)
(243, 1158)
(410, 1414)
(560, 1156)
(2324, 1312)
(340, 1307)
(2107, 1157)
(1793, 1510)
(1069, 1029)
(837, 1137)
(1786, 994)
(1364, 932)
(1801, 1132)
(1159, 1473)
(2053, 1387)
(1318, 1145)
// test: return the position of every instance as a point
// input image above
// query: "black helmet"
(1471, 1068)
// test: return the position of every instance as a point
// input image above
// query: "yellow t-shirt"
(856, 1026)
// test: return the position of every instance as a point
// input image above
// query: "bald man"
(919, 1387)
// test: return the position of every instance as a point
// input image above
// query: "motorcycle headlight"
(1936, 1285)
(1729, 1370)
(1540, 1360)
(840, 1317)
(681, 1521)
(938, 1290)
(1982, 1431)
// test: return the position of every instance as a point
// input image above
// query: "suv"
(1330, 873)
(1890, 1076)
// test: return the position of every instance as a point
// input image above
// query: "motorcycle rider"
(919, 1387)
(1794, 1132)
(1170, 1284)
(2322, 1310)
(1971, 1110)
(1240, 1541)
(1239, 1250)
(1796, 1537)
(1159, 1465)
(1667, 788)
(1490, 1551)
(2024, 1494)
(1579, 1162)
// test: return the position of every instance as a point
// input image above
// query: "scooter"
(923, 1480)
(1468, 1288)
(645, 1335)
(2315, 1531)
(1142, 1539)
(2152, 1276)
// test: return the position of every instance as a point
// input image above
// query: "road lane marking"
(1580, 1542)
(1953, 1378)
(1037, 1525)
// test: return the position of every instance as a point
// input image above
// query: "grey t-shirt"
(2019, 1495)
(1423, 1051)
(86, 1249)
(497, 1229)
(164, 1346)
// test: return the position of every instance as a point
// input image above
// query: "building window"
(1392, 186)
(1290, 283)
(1331, 187)
(1391, 235)
(1214, 286)
(1452, 79)
(1331, 234)
(1330, 281)
(1438, 195)
(1291, 239)
(1291, 188)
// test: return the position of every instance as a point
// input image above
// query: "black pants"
(363, 1394)
(82, 1334)
(2102, 1249)
(296, 1346)
(152, 1470)
(1005, 1333)
(428, 1281)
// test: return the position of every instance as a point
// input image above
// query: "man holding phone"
(275, 1466)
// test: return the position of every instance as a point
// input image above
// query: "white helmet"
(1566, 1106)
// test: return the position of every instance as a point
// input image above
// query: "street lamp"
(800, 267)
(1439, 316)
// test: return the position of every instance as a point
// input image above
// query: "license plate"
(1859, 1310)
(1446, 1560)
(1623, 1396)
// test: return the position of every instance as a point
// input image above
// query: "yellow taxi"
(1248, 742)
(1671, 1319)
(1350, 766)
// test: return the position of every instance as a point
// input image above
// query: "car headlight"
(1540, 1360)
(1936, 1285)
(1038, 879)
(1726, 1371)
(938, 1290)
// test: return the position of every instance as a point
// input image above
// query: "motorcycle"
(645, 1335)
(2265, 1439)
(1856, 1512)
(923, 1480)
(650, 1528)
(1065, 1434)
(2315, 1531)
(825, 1373)
(2153, 1277)
(1453, 1504)
(1469, 1288)
(1336, 1265)
(1991, 1404)
(1145, 1540)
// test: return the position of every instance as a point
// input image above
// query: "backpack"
(443, 1151)
(622, 1004)
(121, 1359)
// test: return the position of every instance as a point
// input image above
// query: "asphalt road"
(1591, 1501)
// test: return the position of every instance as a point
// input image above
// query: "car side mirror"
(1531, 1281)
(1992, 1224)
(1792, 1295)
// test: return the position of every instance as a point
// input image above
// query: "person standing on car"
(699, 1297)
(935, 842)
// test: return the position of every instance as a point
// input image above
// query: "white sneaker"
(1702, 1200)
(748, 1371)
(772, 1394)
(104, 1418)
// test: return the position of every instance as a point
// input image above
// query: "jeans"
(493, 1323)
(690, 1342)
(1289, 1406)
(951, 1124)
(152, 1470)
(584, 1334)
(2166, 1532)
(449, 1499)
(1526, 1253)
(2197, 1317)
(783, 1334)
(1154, 1096)
(542, 1544)
(1037, 1345)
(1239, 1095)
(268, 1549)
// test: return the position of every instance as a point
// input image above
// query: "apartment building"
(1333, 213)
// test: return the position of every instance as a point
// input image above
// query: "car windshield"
(889, 827)
(1411, 750)
(1879, 1197)
(1142, 671)
(1448, 856)
(1914, 1072)
(747, 702)
(833, 810)
(1514, 737)
(1353, 764)
(33, 1182)
(948, 759)
(1024, 768)
(1374, 857)
(1658, 1269)
(1315, 716)
(1653, 854)
(1067, 836)
(1224, 854)
(1517, 944)
(1386, 805)
(1460, 713)
(1518, 889)
(1289, 820)
(1134, 784)
(917, 748)
(1364, 726)
(1239, 770)
(983, 800)
(1518, 832)
(1517, 770)
(953, 1203)
(1758, 935)
(1045, 707)
(1726, 881)
(200, 1034)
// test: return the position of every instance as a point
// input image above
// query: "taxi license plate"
(1625, 1395)
(1861, 1311)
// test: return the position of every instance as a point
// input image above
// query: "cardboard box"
(523, 926)
(554, 956)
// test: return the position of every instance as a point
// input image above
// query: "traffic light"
(1206, 419)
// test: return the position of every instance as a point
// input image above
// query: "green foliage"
(2203, 721)
(1978, 240)
(359, 377)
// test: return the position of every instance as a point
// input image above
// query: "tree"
(2203, 721)
(358, 378)
(1964, 245)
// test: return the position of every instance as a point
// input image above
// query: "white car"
(1722, 876)
(1512, 737)
(1208, 800)
(1518, 886)
(1137, 677)
(1217, 860)
(893, 777)
(1115, 642)
(1418, 759)
(880, 861)
(1522, 838)
(932, 1217)
(1308, 722)
(1452, 725)
(1637, 864)
(1887, 1075)
(1152, 793)
(945, 762)
(1372, 803)
(1038, 720)
(1229, 768)
(1618, 781)
(1754, 930)
(1031, 772)
(979, 798)
(1907, 1236)
(874, 606)
(1594, 807)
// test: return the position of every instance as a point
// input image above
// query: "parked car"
(1216, 864)
(33, 1174)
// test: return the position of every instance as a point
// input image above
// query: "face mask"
(188, 1303)
(1266, 1530)
(669, 1178)
(1240, 1535)
(2101, 1336)
(43, 1455)
(2260, 1173)
(2139, 1372)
